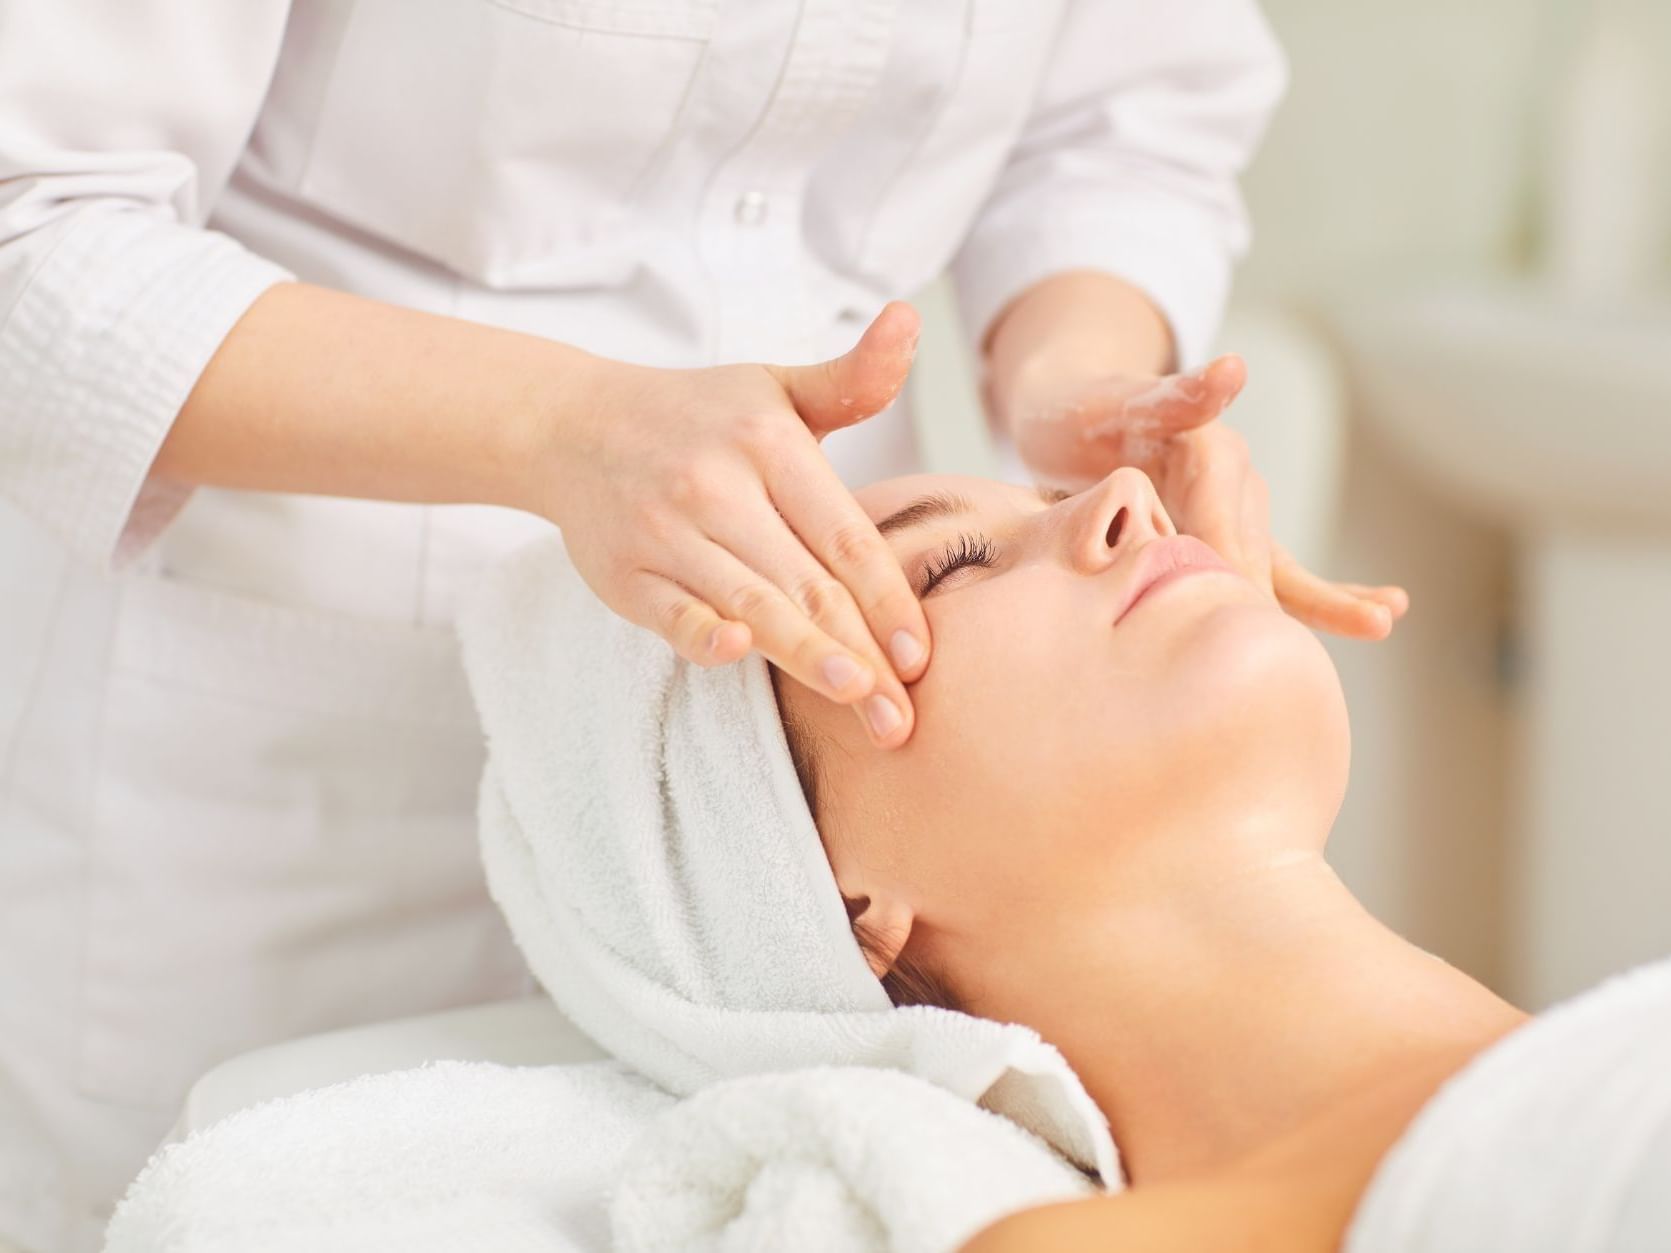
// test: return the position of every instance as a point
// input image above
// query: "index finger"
(822, 512)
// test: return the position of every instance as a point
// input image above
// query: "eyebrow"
(946, 505)
(924, 509)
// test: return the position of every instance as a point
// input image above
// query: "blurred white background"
(1458, 318)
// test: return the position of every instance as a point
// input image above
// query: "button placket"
(752, 208)
(752, 232)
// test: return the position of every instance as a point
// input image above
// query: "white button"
(750, 209)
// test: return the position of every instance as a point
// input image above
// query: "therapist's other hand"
(1206, 478)
(698, 504)
(1168, 427)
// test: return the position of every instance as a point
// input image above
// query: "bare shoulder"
(1231, 1211)
(1296, 1196)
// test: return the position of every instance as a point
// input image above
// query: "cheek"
(1041, 729)
(1042, 733)
(1021, 700)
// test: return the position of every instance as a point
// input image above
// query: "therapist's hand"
(698, 504)
(1074, 433)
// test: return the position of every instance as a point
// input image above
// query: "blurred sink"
(1523, 404)
(1556, 422)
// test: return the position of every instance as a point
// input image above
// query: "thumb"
(1182, 402)
(861, 382)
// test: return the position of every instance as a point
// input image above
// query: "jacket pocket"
(506, 139)
(284, 837)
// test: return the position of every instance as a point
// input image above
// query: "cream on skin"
(1110, 821)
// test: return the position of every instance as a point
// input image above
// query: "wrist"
(535, 446)
(1067, 331)
(1042, 380)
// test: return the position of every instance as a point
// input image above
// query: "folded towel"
(453, 1156)
(829, 1161)
(1555, 1140)
(646, 836)
(466, 1155)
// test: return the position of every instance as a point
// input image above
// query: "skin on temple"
(1109, 826)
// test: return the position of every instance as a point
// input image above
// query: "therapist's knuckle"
(809, 650)
(654, 527)
(680, 620)
(758, 429)
(691, 488)
(754, 601)
(823, 598)
(778, 453)
(855, 547)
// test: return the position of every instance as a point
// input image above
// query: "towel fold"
(829, 1161)
(1555, 1140)
(645, 835)
(452, 1156)
(466, 1155)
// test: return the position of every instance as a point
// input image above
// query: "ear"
(884, 925)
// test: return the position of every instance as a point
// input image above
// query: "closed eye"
(967, 550)
(975, 550)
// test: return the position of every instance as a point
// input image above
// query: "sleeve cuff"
(112, 330)
(1182, 270)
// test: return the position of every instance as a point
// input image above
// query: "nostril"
(1116, 526)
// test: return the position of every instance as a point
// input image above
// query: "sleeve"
(1147, 112)
(120, 123)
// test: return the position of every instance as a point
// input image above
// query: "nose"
(1119, 514)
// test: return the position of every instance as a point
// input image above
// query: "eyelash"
(970, 550)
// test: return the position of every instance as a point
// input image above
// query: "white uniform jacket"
(237, 757)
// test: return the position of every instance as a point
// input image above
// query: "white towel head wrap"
(646, 836)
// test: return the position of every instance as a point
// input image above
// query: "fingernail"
(884, 718)
(906, 650)
(713, 640)
(839, 671)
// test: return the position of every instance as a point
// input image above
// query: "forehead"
(880, 499)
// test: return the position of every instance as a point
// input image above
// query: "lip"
(1164, 561)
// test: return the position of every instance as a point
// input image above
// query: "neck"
(1208, 1020)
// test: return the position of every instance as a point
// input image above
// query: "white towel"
(1555, 1140)
(829, 1161)
(451, 1157)
(646, 837)
(464, 1155)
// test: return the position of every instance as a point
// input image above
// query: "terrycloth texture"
(1556, 1140)
(645, 834)
(450, 1157)
(465, 1155)
(829, 1161)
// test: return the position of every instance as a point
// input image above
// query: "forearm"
(1066, 330)
(320, 392)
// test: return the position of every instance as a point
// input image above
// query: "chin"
(1270, 700)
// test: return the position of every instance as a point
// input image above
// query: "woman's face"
(1107, 701)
